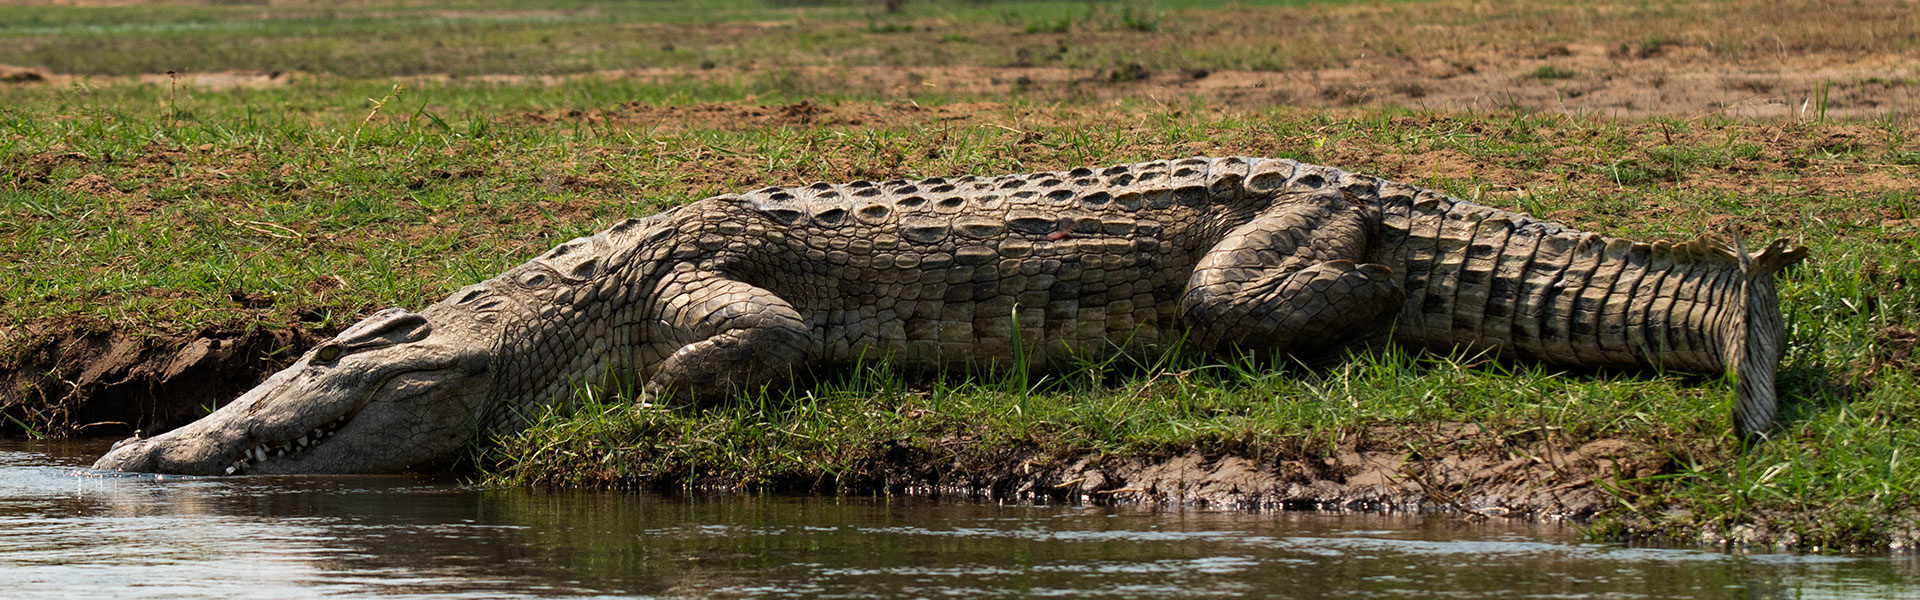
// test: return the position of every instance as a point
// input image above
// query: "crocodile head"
(396, 390)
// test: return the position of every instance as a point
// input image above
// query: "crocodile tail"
(1756, 340)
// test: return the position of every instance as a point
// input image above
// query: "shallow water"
(65, 530)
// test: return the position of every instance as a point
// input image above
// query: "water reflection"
(276, 537)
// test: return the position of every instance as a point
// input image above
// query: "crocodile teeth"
(261, 452)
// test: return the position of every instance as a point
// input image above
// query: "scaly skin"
(734, 293)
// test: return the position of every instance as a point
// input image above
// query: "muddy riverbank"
(110, 384)
(81, 382)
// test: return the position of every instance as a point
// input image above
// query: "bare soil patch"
(212, 80)
(1581, 79)
(1790, 59)
(734, 116)
(1571, 78)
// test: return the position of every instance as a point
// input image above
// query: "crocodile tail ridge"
(1757, 340)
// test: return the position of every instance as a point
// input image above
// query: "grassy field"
(306, 164)
(383, 38)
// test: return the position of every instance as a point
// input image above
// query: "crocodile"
(736, 293)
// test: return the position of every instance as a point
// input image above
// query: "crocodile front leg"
(1288, 282)
(744, 338)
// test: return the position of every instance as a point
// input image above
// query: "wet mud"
(1453, 468)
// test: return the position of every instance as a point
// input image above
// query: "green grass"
(377, 39)
(162, 209)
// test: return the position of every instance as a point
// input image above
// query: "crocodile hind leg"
(744, 338)
(1290, 282)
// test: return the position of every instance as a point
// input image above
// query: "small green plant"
(28, 428)
(875, 26)
(1821, 92)
(173, 102)
(1551, 72)
(353, 143)
(1019, 381)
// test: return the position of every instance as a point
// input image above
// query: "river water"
(66, 531)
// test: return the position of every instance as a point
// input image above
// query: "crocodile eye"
(327, 354)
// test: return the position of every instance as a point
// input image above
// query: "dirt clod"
(22, 76)
(1895, 349)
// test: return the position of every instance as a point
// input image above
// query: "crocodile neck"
(569, 320)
